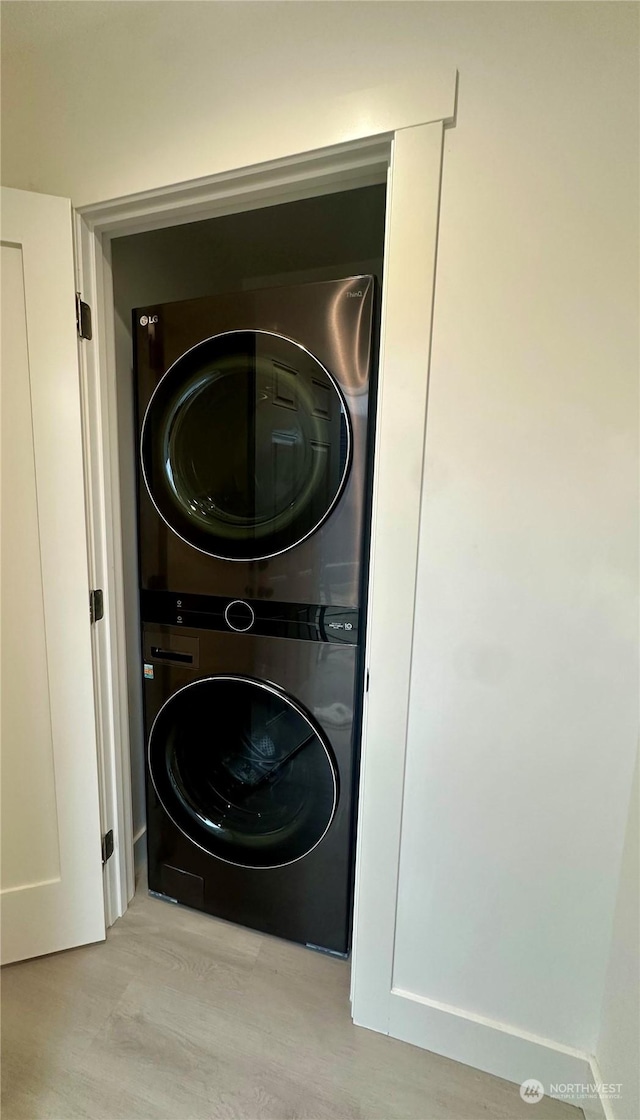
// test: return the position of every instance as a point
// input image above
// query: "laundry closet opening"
(260, 695)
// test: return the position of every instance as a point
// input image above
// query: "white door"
(50, 866)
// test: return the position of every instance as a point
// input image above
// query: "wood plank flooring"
(183, 1017)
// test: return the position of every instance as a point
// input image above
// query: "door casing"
(410, 161)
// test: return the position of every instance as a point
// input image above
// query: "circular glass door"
(245, 445)
(243, 771)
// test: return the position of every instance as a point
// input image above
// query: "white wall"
(524, 714)
(524, 719)
(619, 1043)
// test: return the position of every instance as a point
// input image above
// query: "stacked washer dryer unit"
(254, 416)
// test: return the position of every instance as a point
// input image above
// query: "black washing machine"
(253, 422)
(251, 762)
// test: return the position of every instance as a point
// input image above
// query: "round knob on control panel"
(239, 615)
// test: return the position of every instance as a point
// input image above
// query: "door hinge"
(96, 605)
(107, 846)
(83, 318)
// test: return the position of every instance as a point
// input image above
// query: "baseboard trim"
(597, 1078)
(493, 1047)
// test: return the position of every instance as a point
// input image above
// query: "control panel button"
(239, 615)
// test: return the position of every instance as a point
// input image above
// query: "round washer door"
(243, 771)
(246, 445)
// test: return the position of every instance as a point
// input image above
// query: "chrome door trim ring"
(242, 603)
(282, 695)
(345, 473)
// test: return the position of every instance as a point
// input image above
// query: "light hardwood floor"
(183, 1017)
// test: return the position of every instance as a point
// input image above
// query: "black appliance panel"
(313, 622)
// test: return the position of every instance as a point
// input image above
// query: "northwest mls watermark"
(532, 1091)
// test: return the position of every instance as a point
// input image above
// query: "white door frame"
(410, 159)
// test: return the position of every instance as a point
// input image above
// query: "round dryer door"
(243, 771)
(246, 445)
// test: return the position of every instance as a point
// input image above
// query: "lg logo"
(147, 320)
